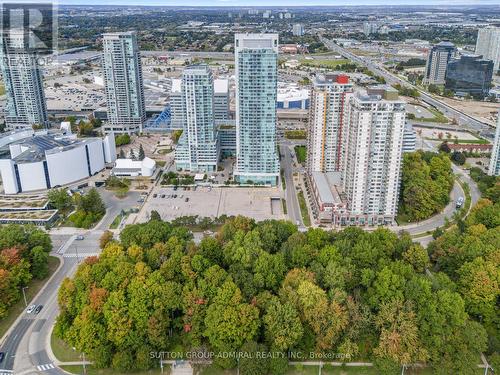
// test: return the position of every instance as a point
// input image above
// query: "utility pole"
(84, 368)
(403, 370)
(24, 295)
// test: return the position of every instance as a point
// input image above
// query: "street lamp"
(83, 357)
(24, 295)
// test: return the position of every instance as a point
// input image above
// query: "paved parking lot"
(213, 202)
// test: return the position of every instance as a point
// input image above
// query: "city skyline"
(280, 3)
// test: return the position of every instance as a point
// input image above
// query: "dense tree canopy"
(267, 287)
(426, 183)
(23, 255)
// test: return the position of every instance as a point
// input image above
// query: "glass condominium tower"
(256, 62)
(22, 76)
(123, 83)
(197, 150)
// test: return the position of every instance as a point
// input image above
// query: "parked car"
(30, 309)
(186, 200)
(163, 195)
(80, 237)
(38, 309)
(155, 195)
(2, 356)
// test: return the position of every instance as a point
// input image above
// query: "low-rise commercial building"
(134, 168)
(46, 160)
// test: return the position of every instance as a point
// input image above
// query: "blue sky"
(285, 3)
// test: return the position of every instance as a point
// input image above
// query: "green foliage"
(301, 153)
(90, 209)
(488, 185)
(122, 139)
(427, 180)
(407, 91)
(60, 199)
(141, 155)
(23, 255)
(458, 158)
(259, 287)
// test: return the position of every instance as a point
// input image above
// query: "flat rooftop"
(35, 148)
(327, 185)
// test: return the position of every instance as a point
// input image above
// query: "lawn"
(301, 153)
(117, 220)
(93, 371)
(33, 288)
(295, 134)
(325, 63)
(303, 209)
(438, 117)
(63, 351)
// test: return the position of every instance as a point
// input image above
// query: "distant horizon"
(281, 3)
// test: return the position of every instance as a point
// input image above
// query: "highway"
(463, 120)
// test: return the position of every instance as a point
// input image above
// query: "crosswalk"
(6, 372)
(45, 367)
(80, 255)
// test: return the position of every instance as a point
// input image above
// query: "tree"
(283, 328)
(132, 154)
(458, 158)
(444, 147)
(479, 283)
(154, 215)
(229, 321)
(399, 337)
(417, 256)
(92, 203)
(106, 238)
(252, 362)
(60, 199)
(39, 262)
(141, 155)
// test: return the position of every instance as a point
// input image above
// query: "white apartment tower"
(328, 123)
(371, 174)
(494, 168)
(488, 45)
(123, 83)
(298, 29)
(198, 150)
(437, 63)
(256, 62)
(22, 76)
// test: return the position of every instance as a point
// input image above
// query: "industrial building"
(32, 161)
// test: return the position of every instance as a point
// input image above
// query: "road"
(292, 203)
(27, 342)
(464, 120)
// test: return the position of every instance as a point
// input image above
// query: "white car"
(30, 309)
